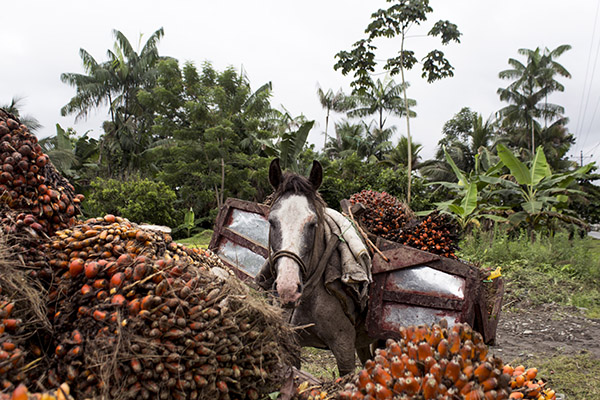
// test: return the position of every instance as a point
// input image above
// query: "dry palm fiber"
(138, 316)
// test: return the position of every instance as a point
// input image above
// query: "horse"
(298, 259)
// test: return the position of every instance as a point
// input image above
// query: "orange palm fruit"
(454, 342)
(397, 368)
(443, 348)
(395, 349)
(489, 384)
(516, 395)
(412, 351)
(363, 378)
(461, 381)
(412, 385)
(430, 389)
(382, 392)
(467, 388)
(436, 371)
(475, 394)
(490, 395)
(519, 381)
(531, 373)
(381, 376)
(519, 370)
(20, 393)
(452, 371)
(413, 368)
(468, 371)
(424, 350)
(507, 369)
(483, 371)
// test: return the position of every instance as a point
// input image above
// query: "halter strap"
(290, 254)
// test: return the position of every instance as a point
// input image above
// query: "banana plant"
(467, 207)
(541, 195)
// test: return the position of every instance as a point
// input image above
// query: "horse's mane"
(297, 184)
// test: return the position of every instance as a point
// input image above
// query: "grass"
(200, 240)
(576, 376)
(556, 269)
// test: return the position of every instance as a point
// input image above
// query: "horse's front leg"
(331, 327)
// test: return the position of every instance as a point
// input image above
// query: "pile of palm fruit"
(438, 363)
(103, 308)
(391, 219)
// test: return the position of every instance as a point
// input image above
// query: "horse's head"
(294, 219)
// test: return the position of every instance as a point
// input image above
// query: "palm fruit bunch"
(21, 393)
(389, 218)
(524, 385)
(385, 215)
(12, 354)
(136, 315)
(437, 233)
(29, 183)
(435, 363)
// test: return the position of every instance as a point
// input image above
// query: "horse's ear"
(316, 174)
(275, 174)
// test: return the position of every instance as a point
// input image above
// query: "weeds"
(543, 270)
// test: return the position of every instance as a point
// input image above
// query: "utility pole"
(581, 157)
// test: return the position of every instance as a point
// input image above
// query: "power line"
(582, 111)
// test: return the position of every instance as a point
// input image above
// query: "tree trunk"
(326, 125)
(408, 188)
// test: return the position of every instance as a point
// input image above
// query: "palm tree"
(398, 156)
(350, 138)
(528, 94)
(382, 99)
(115, 83)
(14, 107)
(330, 101)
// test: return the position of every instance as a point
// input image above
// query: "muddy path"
(546, 330)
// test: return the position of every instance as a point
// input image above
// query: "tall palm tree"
(331, 101)
(14, 107)
(381, 99)
(528, 94)
(350, 138)
(115, 83)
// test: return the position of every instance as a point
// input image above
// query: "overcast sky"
(293, 43)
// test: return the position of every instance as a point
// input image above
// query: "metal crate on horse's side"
(417, 287)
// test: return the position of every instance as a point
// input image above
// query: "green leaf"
(457, 210)
(539, 167)
(516, 167)
(497, 218)
(469, 202)
(532, 207)
(462, 180)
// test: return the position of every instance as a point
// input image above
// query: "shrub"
(139, 200)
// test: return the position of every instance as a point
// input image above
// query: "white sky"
(293, 43)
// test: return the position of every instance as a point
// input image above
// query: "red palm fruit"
(481, 351)
(369, 389)
(452, 371)
(91, 269)
(443, 348)
(436, 371)
(399, 385)
(489, 384)
(394, 348)
(117, 280)
(77, 337)
(20, 393)
(76, 267)
(382, 392)
(468, 371)
(467, 388)
(412, 385)
(483, 371)
(516, 395)
(435, 337)
(382, 361)
(424, 350)
(475, 394)
(490, 395)
(429, 362)
(430, 389)
(118, 299)
(381, 376)
(86, 289)
(461, 381)
(356, 395)
(397, 368)
(413, 368)
(412, 351)
(466, 352)
(363, 378)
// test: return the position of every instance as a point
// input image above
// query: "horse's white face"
(293, 222)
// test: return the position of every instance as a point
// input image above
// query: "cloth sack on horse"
(345, 260)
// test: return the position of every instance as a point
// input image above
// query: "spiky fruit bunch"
(30, 184)
(12, 355)
(136, 315)
(432, 363)
(437, 233)
(385, 215)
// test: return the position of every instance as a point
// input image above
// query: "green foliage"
(391, 22)
(139, 200)
(539, 268)
(344, 177)
(200, 239)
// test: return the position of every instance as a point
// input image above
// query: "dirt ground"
(523, 333)
(547, 330)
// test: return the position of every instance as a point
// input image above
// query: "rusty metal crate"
(240, 237)
(417, 287)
